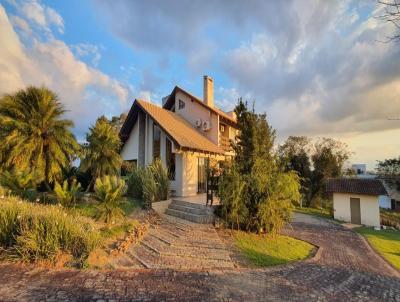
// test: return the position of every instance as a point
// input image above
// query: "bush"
(150, 183)
(109, 191)
(135, 187)
(160, 175)
(3, 192)
(37, 232)
(390, 218)
(20, 183)
(67, 194)
(150, 189)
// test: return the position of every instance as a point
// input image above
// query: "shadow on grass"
(261, 259)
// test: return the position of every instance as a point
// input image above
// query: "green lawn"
(324, 213)
(386, 242)
(263, 251)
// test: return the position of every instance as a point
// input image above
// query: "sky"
(317, 68)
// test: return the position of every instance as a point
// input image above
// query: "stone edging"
(373, 250)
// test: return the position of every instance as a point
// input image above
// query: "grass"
(386, 242)
(324, 213)
(264, 251)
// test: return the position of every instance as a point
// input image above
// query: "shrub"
(140, 184)
(20, 183)
(230, 192)
(109, 191)
(150, 189)
(67, 194)
(160, 174)
(390, 218)
(135, 187)
(36, 232)
(3, 192)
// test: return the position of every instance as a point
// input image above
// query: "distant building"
(359, 169)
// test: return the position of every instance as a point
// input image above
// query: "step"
(188, 209)
(188, 204)
(190, 251)
(191, 217)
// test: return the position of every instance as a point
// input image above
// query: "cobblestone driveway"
(345, 271)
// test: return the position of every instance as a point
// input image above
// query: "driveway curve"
(346, 269)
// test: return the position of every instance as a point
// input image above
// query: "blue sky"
(316, 68)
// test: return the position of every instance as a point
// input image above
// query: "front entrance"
(202, 167)
(355, 210)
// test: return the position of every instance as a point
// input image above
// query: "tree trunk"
(90, 185)
(47, 185)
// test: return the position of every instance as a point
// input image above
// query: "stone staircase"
(194, 212)
(177, 244)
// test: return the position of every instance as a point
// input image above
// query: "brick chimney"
(208, 91)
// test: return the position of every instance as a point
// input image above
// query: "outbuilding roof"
(356, 186)
(178, 129)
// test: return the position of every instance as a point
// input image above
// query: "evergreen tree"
(265, 192)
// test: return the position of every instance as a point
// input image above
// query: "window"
(156, 141)
(181, 104)
(222, 128)
(170, 158)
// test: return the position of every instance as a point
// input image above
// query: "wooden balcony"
(225, 143)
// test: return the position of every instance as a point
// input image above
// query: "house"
(359, 169)
(186, 133)
(391, 201)
(356, 200)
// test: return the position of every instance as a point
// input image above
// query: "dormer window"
(181, 104)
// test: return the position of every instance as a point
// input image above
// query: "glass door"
(202, 167)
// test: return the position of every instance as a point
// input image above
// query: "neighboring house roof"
(180, 131)
(391, 188)
(356, 186)
(225, 117)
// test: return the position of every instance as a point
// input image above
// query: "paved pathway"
(358, 278)
(339, 246)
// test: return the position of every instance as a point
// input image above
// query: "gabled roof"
(356, 186)
(179, 130)
(225, 117)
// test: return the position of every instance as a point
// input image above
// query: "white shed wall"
(369, 208)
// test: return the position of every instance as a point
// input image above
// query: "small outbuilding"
(356, 200)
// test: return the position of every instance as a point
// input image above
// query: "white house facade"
(185, 134)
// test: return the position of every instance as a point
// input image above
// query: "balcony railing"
(225, 143)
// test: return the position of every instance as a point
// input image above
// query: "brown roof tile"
(356, 186)
(179, 129)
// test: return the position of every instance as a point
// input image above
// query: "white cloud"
(40, 15)
(88, 50)
(85, 91)
(20, 23)
(54, 18)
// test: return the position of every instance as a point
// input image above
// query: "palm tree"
(101, 155)
(34, 135)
